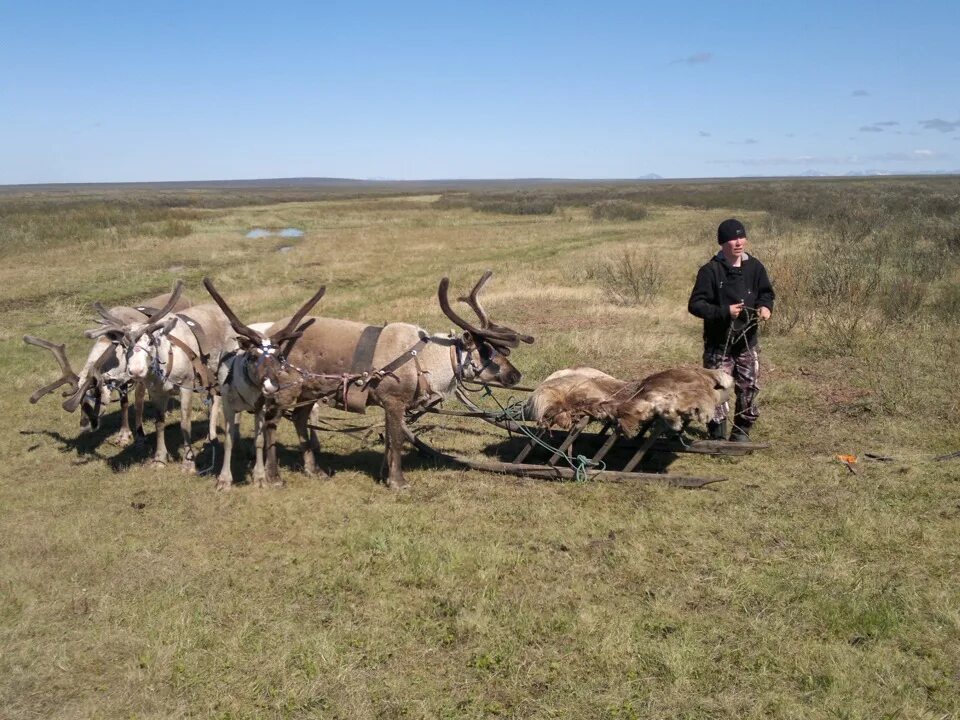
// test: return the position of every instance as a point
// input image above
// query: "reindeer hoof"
(400, 484)
(158, 463)
(122, 440)
(224, 485)
(188, 467)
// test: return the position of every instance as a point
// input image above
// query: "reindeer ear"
(245, 343)
(467, 338)
(169, 323)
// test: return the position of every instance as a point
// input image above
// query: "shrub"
(902, 299)
(947, 306)
(631, 278)
(517, 204)
(175, 229)
(617, 210)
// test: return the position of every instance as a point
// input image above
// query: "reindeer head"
(486, 347)
(137, 342)
(264, 355)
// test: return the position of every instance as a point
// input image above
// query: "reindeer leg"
(188, 463)
(215, 409)
(124, 437)
(271, 418)
(308, 440)
(394, 453)
(139, 391)
(225, 479)
(259, 473)
(161, 400)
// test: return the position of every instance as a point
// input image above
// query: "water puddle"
(290, 232)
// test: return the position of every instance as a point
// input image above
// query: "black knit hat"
(730, 230)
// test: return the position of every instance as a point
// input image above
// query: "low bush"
(175, 229)
(617, 210)
(517, 204)
(630, 278)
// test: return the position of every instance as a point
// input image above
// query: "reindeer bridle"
(279, 344)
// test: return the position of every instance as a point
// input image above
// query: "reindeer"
(105, 369)
(176, 354)
(399, 367)
(251, 373)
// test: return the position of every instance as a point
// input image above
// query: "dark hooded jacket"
(718, 286)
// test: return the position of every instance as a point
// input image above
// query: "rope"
(514, 411)
(753, 321)
(213, 461)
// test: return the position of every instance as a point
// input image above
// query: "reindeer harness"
(199, 361)
(353, 387)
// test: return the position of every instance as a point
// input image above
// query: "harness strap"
(403, 359)
(455, 362)
(366, 346)
(198, 333)
(363, 383)
(198, 365)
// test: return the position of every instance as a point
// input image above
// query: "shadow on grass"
(587, 445)
(366, 459)
(88, 446)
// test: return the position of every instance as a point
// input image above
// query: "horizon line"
(649, 178)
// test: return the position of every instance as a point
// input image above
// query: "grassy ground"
(795, 590)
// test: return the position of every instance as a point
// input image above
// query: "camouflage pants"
(744, 365)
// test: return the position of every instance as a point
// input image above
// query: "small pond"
(290, 232)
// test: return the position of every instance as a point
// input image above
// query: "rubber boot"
(717, 430)
(740, 434)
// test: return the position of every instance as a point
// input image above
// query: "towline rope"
(514, 411)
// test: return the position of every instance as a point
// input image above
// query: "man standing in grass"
(733, 295)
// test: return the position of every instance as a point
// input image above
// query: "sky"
(117, 92)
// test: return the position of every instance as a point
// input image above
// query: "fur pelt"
(676, 396)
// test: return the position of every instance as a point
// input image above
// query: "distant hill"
(351, 186)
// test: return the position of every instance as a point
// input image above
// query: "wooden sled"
(604, 455)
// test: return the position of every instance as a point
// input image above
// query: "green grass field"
(797, 589)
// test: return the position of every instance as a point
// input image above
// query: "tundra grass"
(796, 589)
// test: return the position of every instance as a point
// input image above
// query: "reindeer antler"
(498, 335)
(68, 377)
(156, 320)
(473, 300)
(291, 329)
(235, 323)
(286, 345)
(74, 400)
(109, 323)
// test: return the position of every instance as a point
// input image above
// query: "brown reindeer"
(399, 367)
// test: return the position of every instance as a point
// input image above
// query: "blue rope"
(579, 464)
